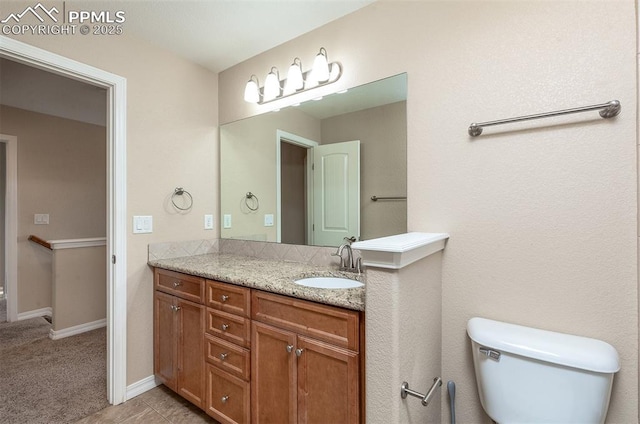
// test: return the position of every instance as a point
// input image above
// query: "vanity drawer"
(335, 325)
(230, 327)
(227, 356)
(228, 397)
(229, 298)
(181, 285)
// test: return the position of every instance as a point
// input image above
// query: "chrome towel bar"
(607, 110)
(376, 198)
(404, 391)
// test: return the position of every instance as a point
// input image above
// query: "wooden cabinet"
(248, 356)
(178, 345)
(227, 342)
(306, 364)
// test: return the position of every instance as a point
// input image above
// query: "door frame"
(116, 196)
(10, 223)
(307, 144)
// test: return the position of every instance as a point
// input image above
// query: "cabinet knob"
(224, 327)
(224, 399)
(177, 283)
(177, 308)
(225, 297)
(223, 356)
(289, 348)
(299, 352)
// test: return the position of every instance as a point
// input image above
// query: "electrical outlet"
(268, 220)
(226, 220)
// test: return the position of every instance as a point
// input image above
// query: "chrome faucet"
(348, 264)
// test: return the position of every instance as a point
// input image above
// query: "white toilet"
(526, 375)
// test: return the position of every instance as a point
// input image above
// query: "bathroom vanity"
(238, 338)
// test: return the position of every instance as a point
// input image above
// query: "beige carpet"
(50, 381)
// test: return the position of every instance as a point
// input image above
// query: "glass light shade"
(252, 91)
(294, 81)
(321, 67)
(271, 86)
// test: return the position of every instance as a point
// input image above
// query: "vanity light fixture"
(297, 81)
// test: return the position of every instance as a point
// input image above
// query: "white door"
(336, 188)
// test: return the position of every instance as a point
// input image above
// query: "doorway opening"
(116, 199)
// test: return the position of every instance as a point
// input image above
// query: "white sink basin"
(329, 283)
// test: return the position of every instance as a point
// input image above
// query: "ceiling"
(219, 34)
(216, 34)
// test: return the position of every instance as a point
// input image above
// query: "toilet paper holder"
(404, 391)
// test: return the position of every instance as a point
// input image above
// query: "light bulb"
(252, 91)
(294, 81)
(321, 66)
(272, 85)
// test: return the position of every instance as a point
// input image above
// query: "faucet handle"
(350, 240)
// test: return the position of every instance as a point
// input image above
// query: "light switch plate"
(208, 222)
(268, 220)
(226, 221)
(142, 224)
(41, 219)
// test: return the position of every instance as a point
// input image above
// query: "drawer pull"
(224, 399)
(299, 352)
(223, 356)
(224, 327)
(225, 297)
(177, 283)
(289, 348)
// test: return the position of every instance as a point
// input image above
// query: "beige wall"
(382, 132)
(61, 172)
(542, 215)
(79, 286)
(171, 141)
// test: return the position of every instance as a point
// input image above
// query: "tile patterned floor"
(157, 406)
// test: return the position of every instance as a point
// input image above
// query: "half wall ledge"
(396, 252)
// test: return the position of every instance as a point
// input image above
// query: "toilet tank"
(527, 375)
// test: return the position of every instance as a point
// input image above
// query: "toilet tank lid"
(558, 348)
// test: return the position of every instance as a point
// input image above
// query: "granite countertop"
(268, 275)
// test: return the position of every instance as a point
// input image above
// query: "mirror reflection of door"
(318, 205)
(336, 193)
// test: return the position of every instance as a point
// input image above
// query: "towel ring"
(179, 191)
(255, 201)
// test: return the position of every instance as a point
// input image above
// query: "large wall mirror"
(308, 174)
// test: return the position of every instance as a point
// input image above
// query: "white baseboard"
(77, 329)
(139, 387)
(35, 313)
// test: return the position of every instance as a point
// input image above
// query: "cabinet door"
(190, 340)
(328, 383)
(165, 348)
(273, 375)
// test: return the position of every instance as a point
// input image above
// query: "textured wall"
(542, 215)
